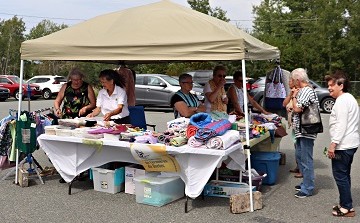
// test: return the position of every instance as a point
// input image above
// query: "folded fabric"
(191, 131)
(178, 141)
(225, 141)
(200, 119)
(204, 134)
(216, 115)
(220, 127)
(214, 143)
(192, 142)
(100, 130)
(146, 139)
(161, 139)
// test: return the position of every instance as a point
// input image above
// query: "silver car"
(157, 89)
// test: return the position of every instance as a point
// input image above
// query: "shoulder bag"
(310, 120)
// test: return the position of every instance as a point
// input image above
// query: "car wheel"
(327, 104)
(47, 94)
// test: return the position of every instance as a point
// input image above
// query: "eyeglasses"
(187, 82)
(223, 76)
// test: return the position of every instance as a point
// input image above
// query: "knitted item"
(191, 131)
(204, 134)
(192, 142)
(200, 119)
(220, 127)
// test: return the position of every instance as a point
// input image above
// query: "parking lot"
(51, 203)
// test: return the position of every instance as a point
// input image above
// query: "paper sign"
(154, 157)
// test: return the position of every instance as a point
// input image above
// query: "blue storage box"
(267, 162)
(110, 181)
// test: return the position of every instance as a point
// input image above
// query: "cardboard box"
(240, 203)
(23, 177)
(217, 188)
(131, 172)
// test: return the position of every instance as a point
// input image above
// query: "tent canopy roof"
(162, 31)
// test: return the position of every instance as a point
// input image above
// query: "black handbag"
(310, 120)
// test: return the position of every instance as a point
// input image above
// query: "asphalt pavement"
(51, 203)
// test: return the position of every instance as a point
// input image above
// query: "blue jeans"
(304, 157)
(341, 172)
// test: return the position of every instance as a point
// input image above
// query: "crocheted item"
(200, 119)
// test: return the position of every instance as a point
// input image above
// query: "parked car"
(49, 85)
(157, 89)
(12, 83)
(326, 101)
(4, 93)
(203, 76)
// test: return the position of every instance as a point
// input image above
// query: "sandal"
(338, 213)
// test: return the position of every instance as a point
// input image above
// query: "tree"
(11, 36)
(318, 35)
(46, 27)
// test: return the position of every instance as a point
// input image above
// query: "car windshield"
(194, 85)
(171, 80)
(16, 79)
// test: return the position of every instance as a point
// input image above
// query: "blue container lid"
(265, 155)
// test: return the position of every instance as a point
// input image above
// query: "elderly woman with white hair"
(303, 95)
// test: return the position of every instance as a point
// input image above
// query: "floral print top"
(74, 100)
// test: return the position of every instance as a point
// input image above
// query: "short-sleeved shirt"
(110, 103)
(189, 99)
(305, 97)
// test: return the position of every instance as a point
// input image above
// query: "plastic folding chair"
(137, 117)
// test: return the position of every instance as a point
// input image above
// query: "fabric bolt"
(193, 142)
(178, 141)
(191, 131)
(341, 171)
(220, 127)
(304, 158)
(200, 119)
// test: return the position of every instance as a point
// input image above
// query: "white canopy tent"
(158, 32)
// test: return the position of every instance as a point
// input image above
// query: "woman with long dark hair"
(112, 99)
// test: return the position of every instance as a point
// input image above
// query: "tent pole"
(247, 132)
(18, 116)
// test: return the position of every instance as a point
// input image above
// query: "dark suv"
(326, 101)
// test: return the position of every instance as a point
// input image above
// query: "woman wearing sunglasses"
(215, 95)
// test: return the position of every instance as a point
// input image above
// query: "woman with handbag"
(344, 134)
(303, 99)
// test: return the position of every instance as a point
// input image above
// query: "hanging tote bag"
(275, 91)
(310, 119)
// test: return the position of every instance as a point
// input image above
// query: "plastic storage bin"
(110, 181)
(158, 191)
(266, 162)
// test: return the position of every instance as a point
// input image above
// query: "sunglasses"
(184, 82)
(223, 76)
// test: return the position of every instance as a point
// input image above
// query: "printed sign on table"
(154, 157)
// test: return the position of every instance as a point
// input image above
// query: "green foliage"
(11, 36)
(318, 35)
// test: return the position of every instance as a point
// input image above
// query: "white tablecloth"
(71, 157)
